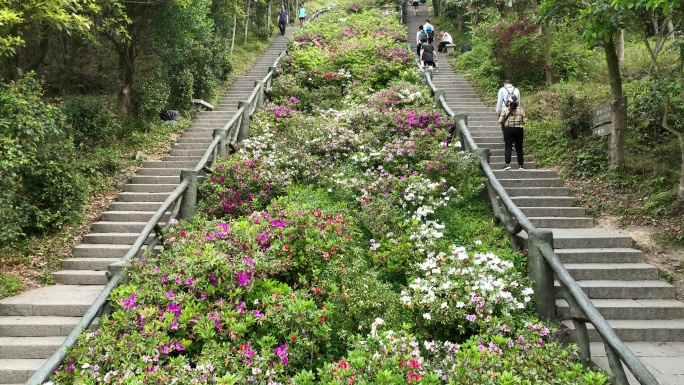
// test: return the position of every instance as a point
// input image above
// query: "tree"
(601, 22)
(26, 28)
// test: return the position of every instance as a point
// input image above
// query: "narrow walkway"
(34, 324)
(627, 291)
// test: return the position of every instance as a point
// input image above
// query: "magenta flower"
(257, 314)
(471, 317)
(130, 303)
(242, 278)
(281, 352)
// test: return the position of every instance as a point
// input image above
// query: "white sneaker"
(507, 167)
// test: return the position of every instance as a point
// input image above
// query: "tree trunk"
(127, 71)
(232, 40)
(618, 106)
(549, 41)
(246, 21)
(268, 18)
(621, 47)
(69, 73)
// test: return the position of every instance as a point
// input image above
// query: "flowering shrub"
(347, 212)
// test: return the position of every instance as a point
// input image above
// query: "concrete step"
(95, 264)
(525, 174)
(182, 158)
(600, 255)
(191, 146)
(104, 250)
(175, 164)
(159, 171)
(193, 140)
(586, 238)
(142, 197)
(187, 152)
(531, 182)
(563, 212)
(612, 271)
(497, 162)
(29, 347)
(35, 326)
(150, 179)
(130, 216)
(117, 227)
(150, 188)
(18, 371)
(612, 289)
(114, 238)
(538, 191)
(80, 277)
(544, 201)
(134, 206)
(562, 223)
(56, 300)
(630, 309)
(639, 330)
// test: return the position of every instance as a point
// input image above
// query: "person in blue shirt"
(302, 14)
(283, 19)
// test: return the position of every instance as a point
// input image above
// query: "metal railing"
(544, 263)
(180, 204)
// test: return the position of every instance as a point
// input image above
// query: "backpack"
(510, 92)
(423, 36)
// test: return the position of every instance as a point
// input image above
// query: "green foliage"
(41, 185)
(150, 91)
(92, 120)
(9, 285)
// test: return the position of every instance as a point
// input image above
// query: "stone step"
(56, 300)
(183, 164)
(35, 326)
(103, 250)
(525, 174)
(626, 309)
(538, 191)
(176, 152)
(586, 238)
(191, 146)
(80, 277)
(130, 216)
(194, 140)
(185, 158)
(600, 255)
(612, 289)
(612, 271)
(199, 134)
(497, 162)
(29, 347)
(631, 330)
(531, 182)
(134, 206)
(159, 171)
(114, 238)
(142, 197)
(150, 188)
(562, 222)
(18, 370)
(544, 201)
(117, 227)
(562, 212)
(95, 264)
(150, 179)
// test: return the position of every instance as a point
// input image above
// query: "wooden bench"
(199, 103)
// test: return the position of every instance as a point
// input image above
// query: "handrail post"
(260, 94)
(438, 93)
(221, 149)
(272, 70)
(615, 366)
(244, 124)
(542, 274)
(189, 199)
(582, 334)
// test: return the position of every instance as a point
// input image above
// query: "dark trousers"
(281, 25)
(418, 49)
(442, 44)
(513, 136)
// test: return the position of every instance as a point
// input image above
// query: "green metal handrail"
(544, 263)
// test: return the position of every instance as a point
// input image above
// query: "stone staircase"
(640, 308)
(34, 324)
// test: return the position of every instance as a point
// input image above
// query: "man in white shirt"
(505, 92)
(445, 39)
